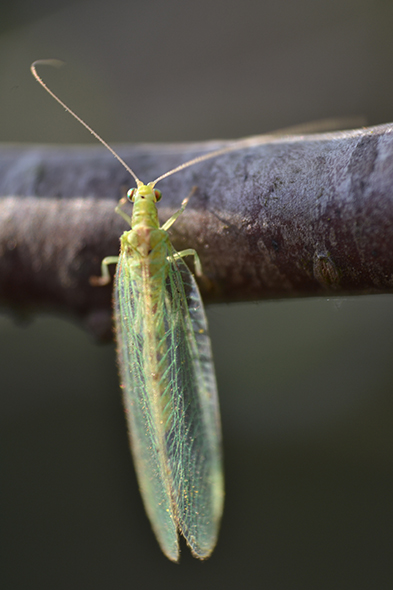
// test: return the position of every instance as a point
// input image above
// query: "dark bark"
(293, 217)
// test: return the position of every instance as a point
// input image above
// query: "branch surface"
(291, 217)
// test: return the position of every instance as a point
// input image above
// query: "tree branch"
(292, 217)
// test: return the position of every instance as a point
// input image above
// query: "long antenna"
(239, 144)
(236, 145)
(57, 63)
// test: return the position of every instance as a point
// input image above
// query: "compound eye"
(131, 194)
(158, 194)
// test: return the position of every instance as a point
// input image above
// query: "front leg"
(172, 219)
(105, 277)
(119, 210)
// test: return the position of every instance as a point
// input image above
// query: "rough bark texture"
(292, 217)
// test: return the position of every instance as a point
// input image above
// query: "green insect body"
(168, 382)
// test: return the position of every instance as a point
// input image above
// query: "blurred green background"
(305, 386)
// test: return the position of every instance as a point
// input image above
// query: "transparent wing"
(171, 402)
(132, 342)
(194, 442)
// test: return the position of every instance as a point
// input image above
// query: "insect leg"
(172, 219)
(119, 210)
(197, 262)
(105, 277)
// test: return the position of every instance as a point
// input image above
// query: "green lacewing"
(168, 381)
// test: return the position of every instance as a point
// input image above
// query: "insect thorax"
(149, 248)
